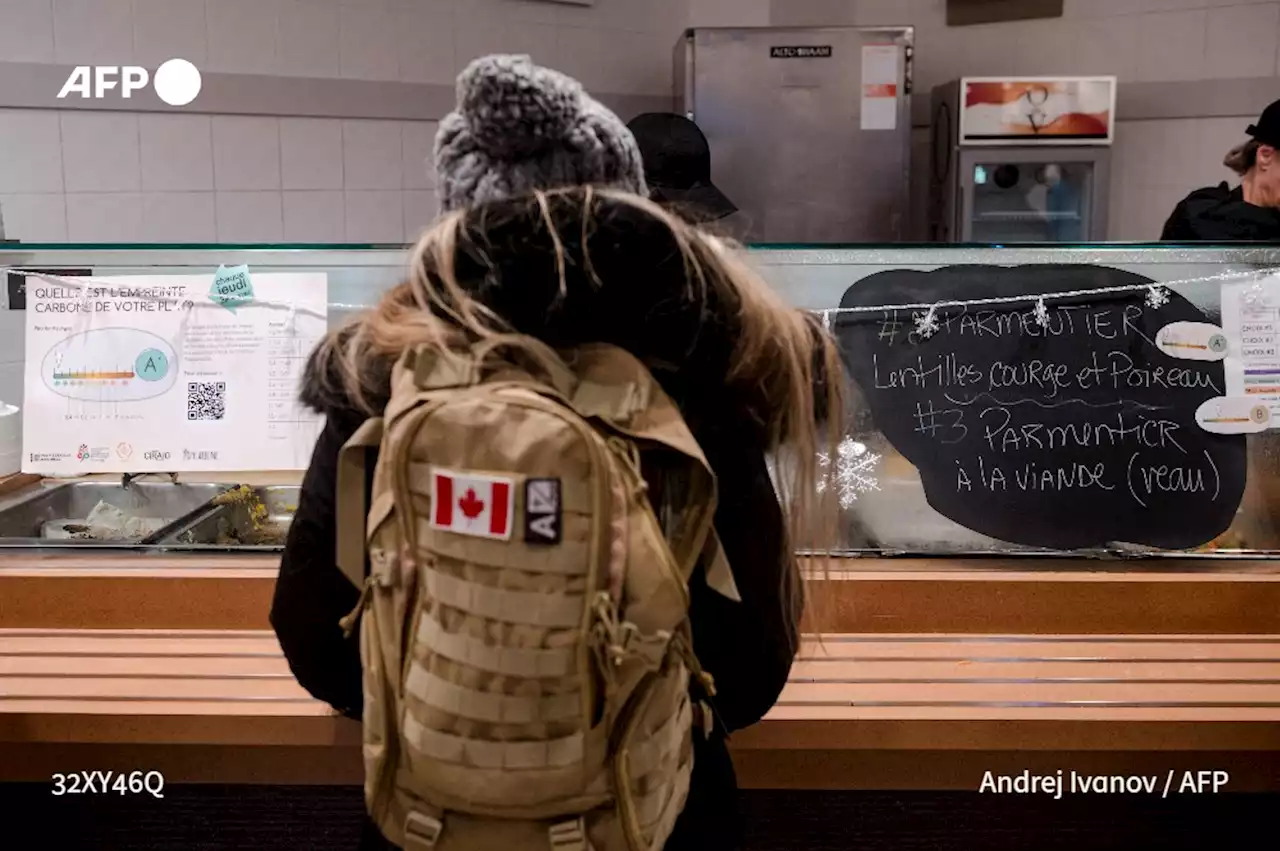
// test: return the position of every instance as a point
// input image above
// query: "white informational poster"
(170, 373)
(1251, 323)
(880, 63)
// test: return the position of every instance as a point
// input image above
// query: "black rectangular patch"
(542, 515)
(18, 283)
(784, 52)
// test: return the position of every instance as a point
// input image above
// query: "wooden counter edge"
(106, 563)
(173, 601)
(17, 481)
(995, 597)
(972, 569)
(1007, 597)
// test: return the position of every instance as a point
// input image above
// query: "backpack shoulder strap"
(614, 386)
(351, 505)
(718, 572)
(604, 382)
(431, 369)
(420, 373)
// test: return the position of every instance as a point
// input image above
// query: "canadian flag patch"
(472, 504)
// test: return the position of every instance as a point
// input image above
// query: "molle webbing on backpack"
(525, 631)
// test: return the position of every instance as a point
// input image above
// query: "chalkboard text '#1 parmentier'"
(1103, 323)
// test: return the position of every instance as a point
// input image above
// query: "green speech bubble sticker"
(232, 287)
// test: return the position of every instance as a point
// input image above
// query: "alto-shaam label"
(807, 52)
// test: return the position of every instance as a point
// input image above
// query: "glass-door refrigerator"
(1018, 160)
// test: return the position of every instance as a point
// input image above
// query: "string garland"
(925, 314)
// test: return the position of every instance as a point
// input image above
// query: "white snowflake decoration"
(927, 323)
(855, 471)
(1157, 297)
(1041, 313)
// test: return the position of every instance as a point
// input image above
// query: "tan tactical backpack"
(525, 639)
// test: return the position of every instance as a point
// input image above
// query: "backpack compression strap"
(716, 567)
(351, 505)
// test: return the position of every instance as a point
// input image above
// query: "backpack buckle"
(421, 831)
(569, 836)
(651, 650)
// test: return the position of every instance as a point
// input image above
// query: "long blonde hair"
(782, 356)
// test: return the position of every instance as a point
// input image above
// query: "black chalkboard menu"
(1069, 430)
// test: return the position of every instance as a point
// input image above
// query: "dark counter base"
(218, 818)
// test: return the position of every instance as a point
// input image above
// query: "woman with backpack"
(547, 233)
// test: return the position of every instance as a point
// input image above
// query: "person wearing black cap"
(1248, 213)
(677, 167)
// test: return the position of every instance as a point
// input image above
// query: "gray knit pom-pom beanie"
(520, 127)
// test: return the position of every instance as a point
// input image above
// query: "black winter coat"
(1220, 214)
(642, 306)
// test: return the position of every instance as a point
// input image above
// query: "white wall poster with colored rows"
(170, 373)
(1251, 322)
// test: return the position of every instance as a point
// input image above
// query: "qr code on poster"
(206, 400)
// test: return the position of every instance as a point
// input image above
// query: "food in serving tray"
(105, 522)
(247, 520)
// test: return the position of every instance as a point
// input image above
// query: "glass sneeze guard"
(889, 512)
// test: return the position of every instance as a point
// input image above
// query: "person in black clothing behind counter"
(1248, 213)
(548, 230)
(677, 167)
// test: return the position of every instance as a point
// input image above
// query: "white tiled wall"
(111, 176)
(417, 41)
(736, 13)
(91, 177)
(1156, 163)
(1241, 41)
(311, 153)
(1137, 40)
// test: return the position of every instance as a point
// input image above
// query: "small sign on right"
(1251, 322)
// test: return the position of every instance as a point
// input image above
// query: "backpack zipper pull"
(348, 621)
(706, 706)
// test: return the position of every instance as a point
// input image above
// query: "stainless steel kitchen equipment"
(1021, 160)
(63, 511)
(809, 128)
